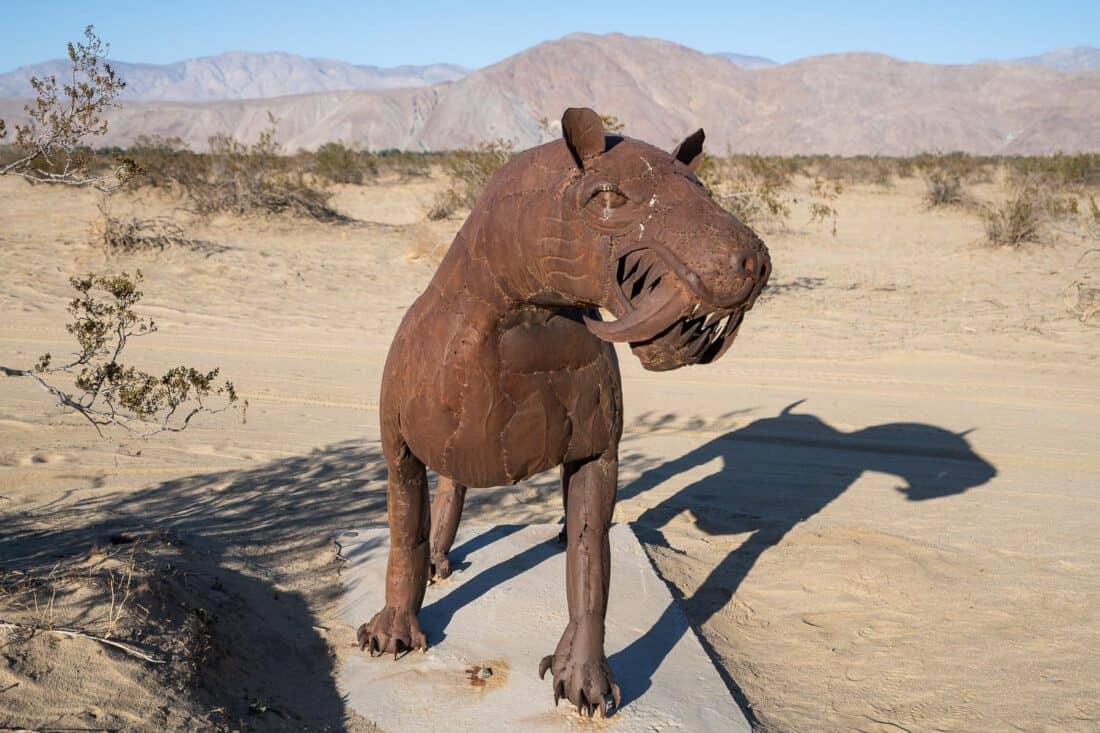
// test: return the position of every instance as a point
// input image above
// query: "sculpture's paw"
(441, 566)
(392, 630)
(580, 670)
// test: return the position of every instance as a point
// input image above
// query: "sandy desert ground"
(880, 508)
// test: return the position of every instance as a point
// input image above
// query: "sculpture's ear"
(690, 151)
(583, 132)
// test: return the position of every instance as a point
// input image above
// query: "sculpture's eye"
(605, 199)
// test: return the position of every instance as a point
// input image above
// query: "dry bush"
(130, 234)
(857, 170)
(247, 179)
(943, 188)
(967, 168)
(1015, 221)
(336, 162)
(235, 178)
(755, 189)
(165, 162)
(1081, 295)
(751, 187)
(444, 205)
(469, 172)
(1059, 171)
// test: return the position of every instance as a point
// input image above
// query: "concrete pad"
(504, 608)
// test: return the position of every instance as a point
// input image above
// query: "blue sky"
(475, 33)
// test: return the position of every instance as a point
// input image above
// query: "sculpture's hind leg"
(562, 536)
(579, 665)
(446, 513)
(396, 628)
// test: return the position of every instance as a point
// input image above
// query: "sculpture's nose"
(756, 265)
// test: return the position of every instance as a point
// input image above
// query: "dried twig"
(75, 633)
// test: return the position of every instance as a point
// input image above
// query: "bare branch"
(74, 633)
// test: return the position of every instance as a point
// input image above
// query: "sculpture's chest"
(519, 396)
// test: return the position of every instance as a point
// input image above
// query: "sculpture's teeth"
(657, 312)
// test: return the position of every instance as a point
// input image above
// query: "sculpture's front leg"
(579, 665)
(396, 628)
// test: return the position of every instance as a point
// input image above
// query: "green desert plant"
(337, 163)
(108, 393)
(50, 147)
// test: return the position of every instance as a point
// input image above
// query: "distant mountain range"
(837, 104)
(1082, 58)
(747, 62)
(242, 75)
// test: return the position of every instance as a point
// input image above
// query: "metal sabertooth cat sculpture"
(503, 368)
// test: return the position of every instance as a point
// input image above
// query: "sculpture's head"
(629, 227)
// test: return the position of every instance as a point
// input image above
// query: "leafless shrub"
(858, 170)
(966, 168)
(756, 189)
(249, 179)
(749, 187)
(57, 597)
(1035, 209)
(165, 162)
(1082, 295)
(50, 147)
(131, 234)
(943, 188)
(821, 206)
(108, 393)
(444, 205)
(1016, 220)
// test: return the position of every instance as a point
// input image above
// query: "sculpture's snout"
(756, 266)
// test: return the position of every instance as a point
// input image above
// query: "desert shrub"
(1016, 220)
(247, 179)
(444, 205)
(132, 234)
(469, 172)
(337, 163)
(857, 170)
(943, 188)
(755, 188)
(748, 186)
(1060, 170)
(403, 164)
(824, 193)
(107, 393)
(963, 166)
(52, 146)
(165, 162)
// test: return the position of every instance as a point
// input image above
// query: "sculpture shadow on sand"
(776, 473)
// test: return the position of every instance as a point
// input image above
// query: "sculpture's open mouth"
(663, 316)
